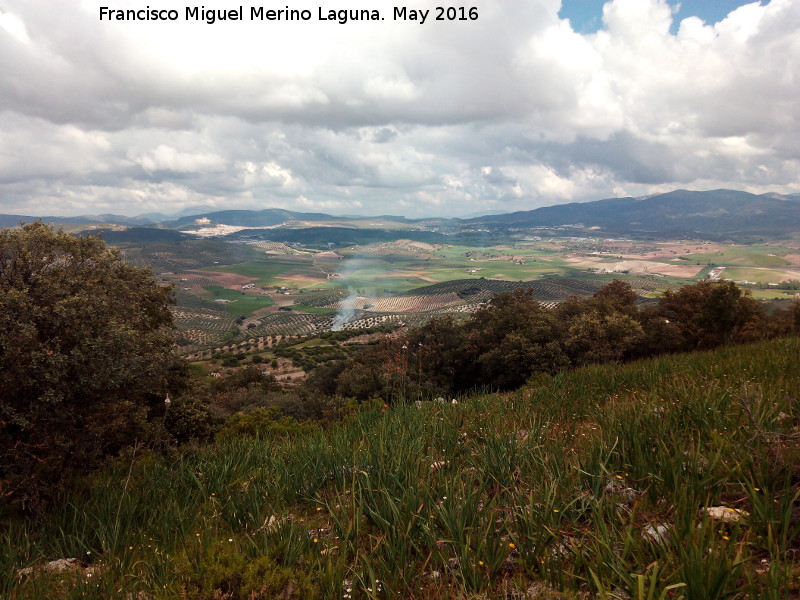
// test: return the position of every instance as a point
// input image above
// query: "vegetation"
(85, 355)
(502, 345)
(593, 483)
(624, 459)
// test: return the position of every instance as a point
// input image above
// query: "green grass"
(757, 275)
(240, 303)
(746, 256)
(772, 294)
(266, 272)
(552, 486)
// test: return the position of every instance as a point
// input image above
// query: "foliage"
(710, 314)
(591, 483)
(190, 418)
(250, 377)
(514, 337)
(85, 352)
(263, 422)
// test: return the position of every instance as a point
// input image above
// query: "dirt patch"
(409, 274)
(788, 275)
(228, 280)
(634, 267)
(284, 300)
(303, 277)
(422, 246)
(673, 251)
(326, 256)
(794, 259)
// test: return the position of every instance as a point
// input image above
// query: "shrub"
(190, 418)
(85, 356)
(264, 422)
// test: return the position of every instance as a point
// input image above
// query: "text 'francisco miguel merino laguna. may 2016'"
(260, 13)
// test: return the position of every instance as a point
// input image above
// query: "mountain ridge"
(677, 213)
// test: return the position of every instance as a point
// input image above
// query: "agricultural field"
(272, 288)
(238, 302)
(297, 270)
(748, 256)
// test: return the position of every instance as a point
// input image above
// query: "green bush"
(190, 418)
(86, 356)
(264, 422)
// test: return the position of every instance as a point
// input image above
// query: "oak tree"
(85, 355)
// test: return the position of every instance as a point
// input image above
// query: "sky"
(531, 104)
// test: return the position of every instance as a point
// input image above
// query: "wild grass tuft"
(594, 483)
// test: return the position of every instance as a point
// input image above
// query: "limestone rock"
(725, 514)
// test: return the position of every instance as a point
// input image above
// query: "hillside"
(674, 214)
(340, 236)
(713, 214)
(248, 218)
(594, 483)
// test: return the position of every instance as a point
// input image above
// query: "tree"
(85, 355)
(511, 338)
(594, 337)
(709, 314)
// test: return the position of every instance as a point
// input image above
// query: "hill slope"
(592, 482)
(677, 213)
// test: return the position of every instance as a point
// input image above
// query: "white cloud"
(167, 158)
(514, 110)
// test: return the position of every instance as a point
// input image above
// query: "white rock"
(659, 533)
(725, 514)
(62, 565)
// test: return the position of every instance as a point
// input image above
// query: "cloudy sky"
(532, 104)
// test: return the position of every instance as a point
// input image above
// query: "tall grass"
(557, 487)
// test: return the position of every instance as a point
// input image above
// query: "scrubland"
(589, 483)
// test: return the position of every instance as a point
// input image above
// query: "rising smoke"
(346, 311)
(347, 307)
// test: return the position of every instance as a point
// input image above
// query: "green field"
(772, 294)
(266, 272)
(757, 275)
(240, 303)
(746, 256)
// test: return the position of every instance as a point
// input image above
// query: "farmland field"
(270, 271)
(281, 289)
(750, 256)
(238, 303)
(755, 274)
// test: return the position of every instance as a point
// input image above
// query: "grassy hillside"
(592, 483)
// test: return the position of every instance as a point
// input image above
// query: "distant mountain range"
(680, 213)
(674, 214)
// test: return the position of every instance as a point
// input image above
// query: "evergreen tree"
(85, 355)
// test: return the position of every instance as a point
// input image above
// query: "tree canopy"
(85, 352)
(513, 337)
